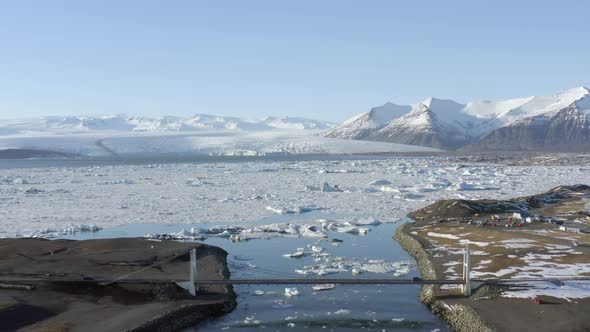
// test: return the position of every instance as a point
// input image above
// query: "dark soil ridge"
(68, 295)
(461, 208)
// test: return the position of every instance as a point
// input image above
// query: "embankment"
(459, 317)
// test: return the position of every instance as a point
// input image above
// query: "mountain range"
(557, 122)
(124, 123)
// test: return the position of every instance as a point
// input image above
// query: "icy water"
(346, 307)
(130, 198)
(134, 197)
(175, 159)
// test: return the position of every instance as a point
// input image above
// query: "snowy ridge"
(449, 125)
(421, 127)
(362, 125)
(124, 123)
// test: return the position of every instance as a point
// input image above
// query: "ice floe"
(342, 312)
(292, 291)
(329, 264)
(297, 254)
(310, 229)
(323, 287)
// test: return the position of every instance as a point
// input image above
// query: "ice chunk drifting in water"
(342, 312)
(315, 229)
(323, 287)
(291, 291)
(320, 270)
(297, 254)
(381, 266)
(317, 249)
(251, 320)
(327, 264)
(298, 209)
(345, 227)
(312, 231)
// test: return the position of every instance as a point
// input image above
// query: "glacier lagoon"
(133, 198)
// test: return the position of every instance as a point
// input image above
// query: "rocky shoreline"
(460, 318)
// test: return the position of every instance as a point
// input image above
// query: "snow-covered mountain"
(362, 125)
(446, 124)
(124, 123)
(565, 130)
(421, 127)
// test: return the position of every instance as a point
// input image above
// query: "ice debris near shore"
(49, 233)
(318, 228)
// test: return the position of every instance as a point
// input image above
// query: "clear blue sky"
(320, 59)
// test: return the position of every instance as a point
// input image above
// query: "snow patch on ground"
(568, 290)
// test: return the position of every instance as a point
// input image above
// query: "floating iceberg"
(297, 254)
(323, 287)
(291, 291)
